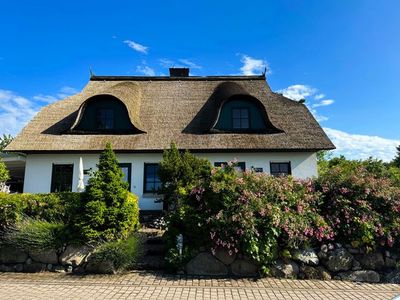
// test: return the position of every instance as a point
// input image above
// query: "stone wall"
(71, 259)
(331, 261)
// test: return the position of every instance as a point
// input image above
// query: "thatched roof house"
(217, 117)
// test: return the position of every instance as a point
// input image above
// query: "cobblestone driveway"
(147, 285)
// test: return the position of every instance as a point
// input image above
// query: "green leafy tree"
(110, 211)
(396, 160)
(4, 141)
(4, 175)
(179, 172)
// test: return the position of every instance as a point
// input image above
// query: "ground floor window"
(126, 169)
(152, 182)
(240, 166)
(61, 179)
(280, 168)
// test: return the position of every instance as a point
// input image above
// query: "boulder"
(47, 256)
(360, 276)
(75, 255)
(223, 255)
(319, 273)
(35, 267)
(19, 267)
(283, 269)
(242, 267)
(390, 263)
(11, 255)
(393, 277)
(338, 260)
(104, 267)
(206, 264)
(6, 268)
(306, 256)
(372, 261)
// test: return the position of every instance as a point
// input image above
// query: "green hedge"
(54, 207)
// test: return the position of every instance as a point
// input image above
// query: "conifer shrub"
(109, 211)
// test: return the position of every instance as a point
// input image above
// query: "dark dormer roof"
(175, 109)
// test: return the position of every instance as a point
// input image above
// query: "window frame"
(145, 191)
(53, 179)
(99, 118)
(288, 163)
(240, 108)
(129, 166)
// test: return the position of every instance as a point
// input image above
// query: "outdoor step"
(155, 240)
(155, 250)
(151, 262)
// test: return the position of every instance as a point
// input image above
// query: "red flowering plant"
(361, 204)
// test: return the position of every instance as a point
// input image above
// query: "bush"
(55, 207)
(121, 253)
(361, 201)
(4, 175)
(33, 235)
(255, 214)
(108, 210)
(180, 172)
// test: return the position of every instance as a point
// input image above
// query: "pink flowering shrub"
(360, 205)
(254, 214)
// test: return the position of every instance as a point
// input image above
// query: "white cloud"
(180, 63)
(15, 112)
(64, 92)
(298, 91)
(253, 66)
(189, 63)
(146, 70)
(324, 103)
(357, 146)
(136, 46)
(314, 99)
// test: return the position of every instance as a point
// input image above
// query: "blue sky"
(342, 56)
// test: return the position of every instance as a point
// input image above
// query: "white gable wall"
(39, 168)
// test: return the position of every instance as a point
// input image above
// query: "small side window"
(280, 169)
(61, 178)
(126, 169)
(152, 182)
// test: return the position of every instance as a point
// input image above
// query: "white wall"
(39, 167)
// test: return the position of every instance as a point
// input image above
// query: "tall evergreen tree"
(110, 211)
(396, 160)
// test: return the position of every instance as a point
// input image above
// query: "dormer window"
(103, 114)
(240, 118)
(105, 118)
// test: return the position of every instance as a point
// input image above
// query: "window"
(280, 169)
(240, 166)
(126, 169)
(240, 118)
(61, 178)
(151, 181)
(105, 118)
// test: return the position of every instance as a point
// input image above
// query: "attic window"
(103, 114)
(105, 118)
(241, 115)
(240, 118)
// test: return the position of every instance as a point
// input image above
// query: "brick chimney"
(178, 72)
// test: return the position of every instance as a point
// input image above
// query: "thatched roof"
(182, 110)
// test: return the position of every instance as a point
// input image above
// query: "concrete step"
(151, 262)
